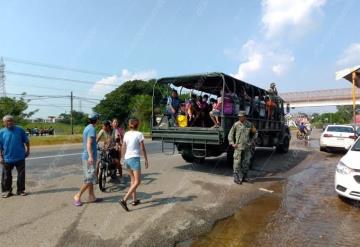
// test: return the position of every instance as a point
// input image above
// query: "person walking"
(118, 136)
(241, 136)
(89, 156)
(14, 148)
(132, 144)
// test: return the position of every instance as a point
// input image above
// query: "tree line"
(131, 99)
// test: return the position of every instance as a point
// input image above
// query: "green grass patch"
(53, 140)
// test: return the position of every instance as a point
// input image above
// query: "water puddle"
(304, 210)
(242, 228)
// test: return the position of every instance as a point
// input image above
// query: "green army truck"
(196, 140)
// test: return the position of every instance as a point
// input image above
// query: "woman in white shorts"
(133, 143)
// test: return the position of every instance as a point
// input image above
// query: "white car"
(347, 176)
(337, 137)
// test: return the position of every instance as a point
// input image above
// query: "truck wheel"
(188, 157)
(284, 147)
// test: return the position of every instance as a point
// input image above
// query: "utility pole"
(2, 78)
(71, 113)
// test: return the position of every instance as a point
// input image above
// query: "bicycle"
(106, 167)
(302, 136)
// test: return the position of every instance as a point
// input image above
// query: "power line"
(54, 89)
(50, 88)
(37, 96)
(49, 77)
(59, 67)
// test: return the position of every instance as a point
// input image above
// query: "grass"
(53, 140)
(63, 133)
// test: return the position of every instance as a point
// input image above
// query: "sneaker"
(7, 194)
(21, 193)
(123, 205)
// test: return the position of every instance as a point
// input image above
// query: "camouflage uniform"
(243, 135)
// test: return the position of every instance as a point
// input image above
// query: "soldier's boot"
(238, 177)
(245, 178)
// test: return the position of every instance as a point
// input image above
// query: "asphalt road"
(180, 201)
(61, 156)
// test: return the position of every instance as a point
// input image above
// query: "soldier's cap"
(93, 116)
(242, 113)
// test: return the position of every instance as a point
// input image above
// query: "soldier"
(241, 137)
(273, 90)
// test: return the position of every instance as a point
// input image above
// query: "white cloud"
(143, 75)
(295, 15)
(108, 84)
(350, 56)
(262, 58)
(268, 54)
(254, 59)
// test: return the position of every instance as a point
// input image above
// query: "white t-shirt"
(132, 139)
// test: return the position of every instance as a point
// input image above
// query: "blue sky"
(298, 44)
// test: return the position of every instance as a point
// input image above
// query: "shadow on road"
(266, 163)
(147, 202)
(59, 190)
(164, 201)
(116, 186)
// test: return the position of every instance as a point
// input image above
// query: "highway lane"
(52, 160)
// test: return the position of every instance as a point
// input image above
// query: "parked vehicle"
(198, 140)
(337, 137)
(347, 176)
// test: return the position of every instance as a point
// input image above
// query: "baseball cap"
(93, 116)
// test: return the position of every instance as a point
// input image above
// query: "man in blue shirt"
(88, 161)
(14, 148)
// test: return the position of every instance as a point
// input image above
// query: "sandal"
(123, 205)
(136, 202)
(77, 203)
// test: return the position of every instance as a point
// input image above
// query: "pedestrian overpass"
(328, 97)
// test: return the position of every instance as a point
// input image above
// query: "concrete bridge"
(328, 97)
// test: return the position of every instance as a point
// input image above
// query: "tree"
(79, 118)
(16, 108)
(120, 103)
(141, 109)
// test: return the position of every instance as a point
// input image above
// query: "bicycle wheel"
(102, 177)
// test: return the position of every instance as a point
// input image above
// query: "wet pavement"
(302, 210)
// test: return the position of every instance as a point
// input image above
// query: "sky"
(299, 44)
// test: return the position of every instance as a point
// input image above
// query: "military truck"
(197, 141)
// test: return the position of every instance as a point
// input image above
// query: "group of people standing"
(15, 147)
(124, 146)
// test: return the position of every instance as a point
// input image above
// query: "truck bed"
(196, 135)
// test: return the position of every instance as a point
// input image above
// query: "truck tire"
(284, 147)
(188, 157)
